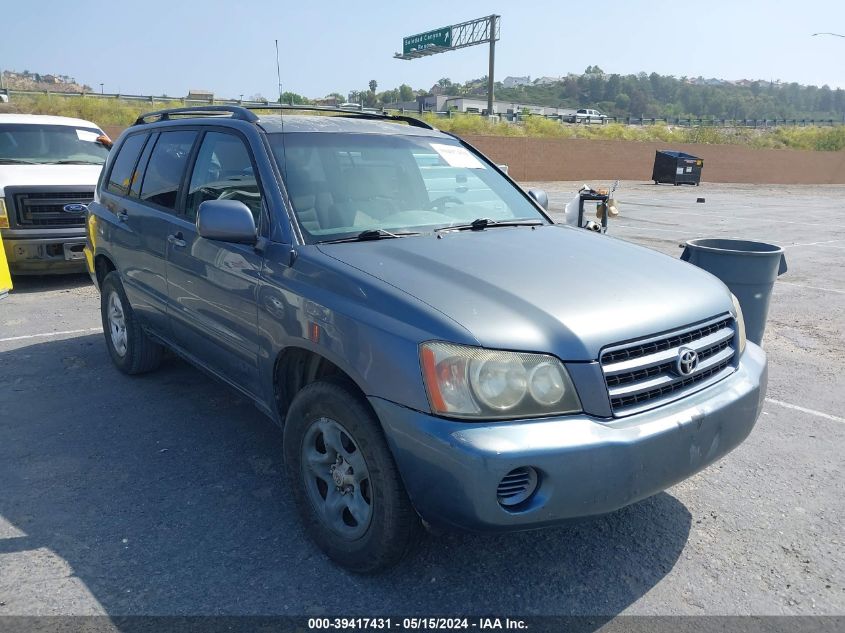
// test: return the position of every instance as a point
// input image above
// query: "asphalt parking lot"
(164, 494)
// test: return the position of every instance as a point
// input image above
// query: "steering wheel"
(443, 200)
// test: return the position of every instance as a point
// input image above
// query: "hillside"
(665, 96)
(649, 95)
(27, 80)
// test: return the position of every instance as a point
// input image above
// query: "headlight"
(4, 219)
(471, 382)
(740, 323)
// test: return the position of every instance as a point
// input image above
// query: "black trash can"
(676, 168)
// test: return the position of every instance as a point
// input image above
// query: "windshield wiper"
(74, 162)
(17, 161)
(479, 224)
(371, 234)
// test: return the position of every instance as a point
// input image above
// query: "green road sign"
(438, 37)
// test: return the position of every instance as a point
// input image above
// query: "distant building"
(513, 82)
(205, 96)
(328, 102)
(544, 81)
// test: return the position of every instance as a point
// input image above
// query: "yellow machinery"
(5, 276)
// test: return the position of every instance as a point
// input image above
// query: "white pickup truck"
(49, 166)
(586, 115)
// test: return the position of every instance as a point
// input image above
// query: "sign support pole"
(490, 79)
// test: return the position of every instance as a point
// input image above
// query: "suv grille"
(44, 209)
(643, 374)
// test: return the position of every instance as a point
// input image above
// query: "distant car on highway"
(586, 115)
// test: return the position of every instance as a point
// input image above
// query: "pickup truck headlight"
(472, 382)
(4, 218)
(740, 323)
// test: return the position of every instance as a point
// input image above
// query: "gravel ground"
(163, 494)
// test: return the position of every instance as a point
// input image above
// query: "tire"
(131, 350)
(337, 463)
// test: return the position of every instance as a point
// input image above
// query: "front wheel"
(344, 481)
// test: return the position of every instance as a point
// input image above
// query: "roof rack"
(244, 113)
(236, 112)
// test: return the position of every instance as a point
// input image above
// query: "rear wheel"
(344, 481)
(129, 347)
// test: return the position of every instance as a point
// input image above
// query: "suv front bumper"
(586, 465)
(36, 256)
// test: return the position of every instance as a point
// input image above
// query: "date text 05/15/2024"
(416, 624)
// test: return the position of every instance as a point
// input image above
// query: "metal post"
(490, 80)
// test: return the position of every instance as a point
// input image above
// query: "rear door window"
(166, 168)
(137, 178)
(123, 171)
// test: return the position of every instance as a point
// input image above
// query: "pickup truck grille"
(644, 374)
(45, 209)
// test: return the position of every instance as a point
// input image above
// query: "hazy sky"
(156, 47)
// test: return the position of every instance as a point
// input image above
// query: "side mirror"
(504, 168)
(540, 196)
(226, 221)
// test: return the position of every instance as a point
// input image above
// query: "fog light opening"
(517, 487)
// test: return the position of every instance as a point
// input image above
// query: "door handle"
(123, 215)
(177, 240)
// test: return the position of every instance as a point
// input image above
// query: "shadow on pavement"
(165, 495)
(28, 284)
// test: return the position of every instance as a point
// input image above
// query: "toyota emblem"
(687, 361)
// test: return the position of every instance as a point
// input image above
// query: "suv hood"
(552, 289)
(27, 175)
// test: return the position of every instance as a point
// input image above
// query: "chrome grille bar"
(46, 209)
(643, 374)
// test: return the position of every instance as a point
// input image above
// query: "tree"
(373, 85)
(389, 96)
(623, 101)
(406, 93)
(293, 99)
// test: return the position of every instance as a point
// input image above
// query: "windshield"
(50, 144)
(343, 184)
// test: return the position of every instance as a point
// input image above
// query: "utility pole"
(490, 79)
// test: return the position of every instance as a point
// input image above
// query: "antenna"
(284, 165)
(279, 77)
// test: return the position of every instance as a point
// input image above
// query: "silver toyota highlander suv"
(415, 321)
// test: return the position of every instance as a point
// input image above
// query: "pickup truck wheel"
(344, 481)
(129, 347)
